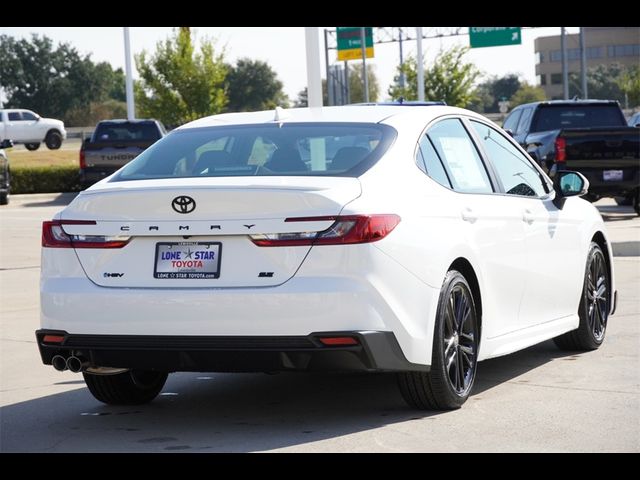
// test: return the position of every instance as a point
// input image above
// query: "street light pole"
(420, 65)
(565, 73)
(365, 80)
(583, 64)
(131, 109)
(314, 81)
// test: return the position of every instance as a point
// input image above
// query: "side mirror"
(569, 184)
(6, 144)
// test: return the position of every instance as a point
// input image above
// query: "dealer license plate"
(612, 175)
(187, 260)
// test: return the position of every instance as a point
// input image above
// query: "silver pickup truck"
(115, 143)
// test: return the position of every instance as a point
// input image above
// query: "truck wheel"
(624, 201)
(53, 140)
(636, 202)
(134, 387)
(32, 146)
(4, 198)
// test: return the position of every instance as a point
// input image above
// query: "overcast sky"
(284, 49)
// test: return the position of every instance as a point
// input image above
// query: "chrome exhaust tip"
(77, 364)
(59, 363)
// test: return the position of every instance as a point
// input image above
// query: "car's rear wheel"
(53, 140)
(455, 352)
(32, 146)
(133, 387)
(4, 198)
(594, 306)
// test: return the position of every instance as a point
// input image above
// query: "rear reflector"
(54, 236)
(338, 341)
(53, 339)
(347, 229)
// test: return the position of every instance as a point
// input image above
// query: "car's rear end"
(226, 248)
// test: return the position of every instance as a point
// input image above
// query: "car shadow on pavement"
(199, 412)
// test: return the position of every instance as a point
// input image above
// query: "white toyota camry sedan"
(409, 239)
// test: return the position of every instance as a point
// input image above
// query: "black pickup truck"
(589, 136)
(115, 143)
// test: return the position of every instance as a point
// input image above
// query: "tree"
(450, 78)
(53, 81)
(253, 85)
(602, 83)
(629, 83)
(356, 86)
(526, 94)
(179, 84)
(302, 99)
(494, 90)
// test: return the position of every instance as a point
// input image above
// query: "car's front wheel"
(32, 146)
(594, 306)
(133, 387)
(455, 352)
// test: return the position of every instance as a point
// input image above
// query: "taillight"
(347, 229)
(54, 236)
(83, 165)
(561, 154)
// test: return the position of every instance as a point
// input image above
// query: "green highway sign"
(494, 36)
(350, 44)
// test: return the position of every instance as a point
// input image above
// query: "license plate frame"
(186, 272)
(612, 175)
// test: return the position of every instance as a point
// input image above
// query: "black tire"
(53, 140)
(134, 387)
(594, 307)
(591, 197)
(624, 201)
(447, 387)
(4, 198)
(32, 146)
(636, 202)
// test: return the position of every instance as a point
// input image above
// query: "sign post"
(494, 36)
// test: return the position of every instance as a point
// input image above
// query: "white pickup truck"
(25, 126)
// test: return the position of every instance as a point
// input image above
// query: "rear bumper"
(618, 188)
(375, 351)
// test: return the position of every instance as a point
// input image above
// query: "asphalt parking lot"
(540, 399)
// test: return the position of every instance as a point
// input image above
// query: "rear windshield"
(556, 117)
(126, 132)
(302, 149)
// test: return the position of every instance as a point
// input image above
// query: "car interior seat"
(348, 157)
(213, 160)
(286, 160)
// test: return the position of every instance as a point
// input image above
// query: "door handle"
(468, 215)
(527, 216)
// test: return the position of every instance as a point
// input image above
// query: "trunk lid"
(220, 214)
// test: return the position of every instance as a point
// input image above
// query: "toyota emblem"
(183, 204)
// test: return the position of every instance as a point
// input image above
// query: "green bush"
(45, 179)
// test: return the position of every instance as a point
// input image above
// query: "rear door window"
(463, 164)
